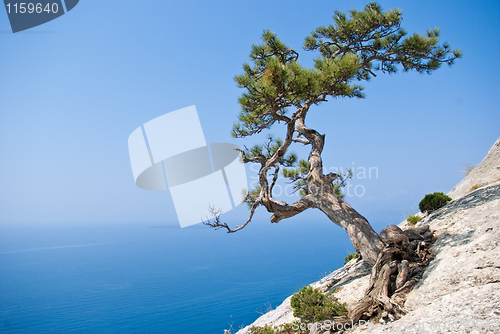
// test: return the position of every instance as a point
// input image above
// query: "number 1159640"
(31, 7)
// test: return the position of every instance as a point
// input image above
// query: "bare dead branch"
(217, 223)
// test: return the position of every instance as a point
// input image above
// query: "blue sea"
(139, 278)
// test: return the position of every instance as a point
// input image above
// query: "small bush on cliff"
(350, 257)
(312, 305)
(290, 328)
(262, 330)
(413, 219)
(432, 202)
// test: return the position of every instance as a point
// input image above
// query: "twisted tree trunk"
(365, 240)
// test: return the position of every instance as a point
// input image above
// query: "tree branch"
(304, 141)
(282, 210)
(275, 178)
(217, 223)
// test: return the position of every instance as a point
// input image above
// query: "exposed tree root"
(398, 268)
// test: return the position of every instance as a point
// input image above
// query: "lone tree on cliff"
(279, 91)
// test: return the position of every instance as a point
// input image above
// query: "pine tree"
(279, 91)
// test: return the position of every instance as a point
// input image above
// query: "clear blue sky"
(72, 91)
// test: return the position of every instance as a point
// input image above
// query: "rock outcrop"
(487, 172)
(460, 290)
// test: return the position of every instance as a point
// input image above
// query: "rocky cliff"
(487, 172)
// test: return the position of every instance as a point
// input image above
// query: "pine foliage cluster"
(350, 50)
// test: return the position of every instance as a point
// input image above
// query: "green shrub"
(413, 219)
(289, 328)
(262, 330)
(432, 202)
(313, 305)
(350, 257)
